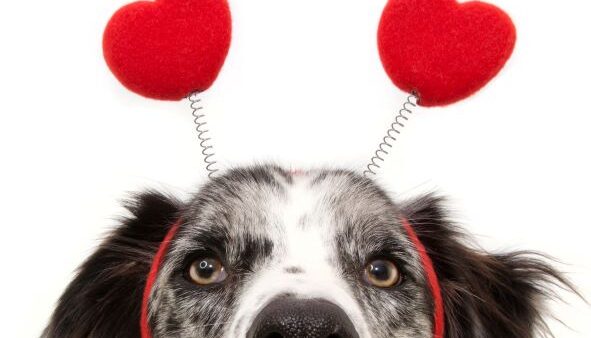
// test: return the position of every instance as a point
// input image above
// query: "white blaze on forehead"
(305, 238)
(304, 262)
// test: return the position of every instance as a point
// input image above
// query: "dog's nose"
(302, 318)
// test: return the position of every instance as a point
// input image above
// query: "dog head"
(262, 252)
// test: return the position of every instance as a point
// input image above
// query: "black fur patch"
(485, 295)
(104, 299)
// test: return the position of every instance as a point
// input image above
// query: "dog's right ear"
(104, 299)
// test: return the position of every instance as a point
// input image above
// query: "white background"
(302, 86)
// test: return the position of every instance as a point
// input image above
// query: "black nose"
(302, 318)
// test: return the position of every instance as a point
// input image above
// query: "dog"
(263, 252)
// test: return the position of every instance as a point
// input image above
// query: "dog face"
(262, 252)
(280, 238)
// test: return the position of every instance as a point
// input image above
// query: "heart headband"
(439, 51)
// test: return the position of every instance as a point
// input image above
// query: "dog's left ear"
(485, 295)
(104, 299)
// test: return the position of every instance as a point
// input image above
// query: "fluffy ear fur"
(485, 295)
(104, 299)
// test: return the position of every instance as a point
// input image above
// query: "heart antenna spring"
(203, 134)
(391, 135)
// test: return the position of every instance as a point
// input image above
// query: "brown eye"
(207, 271)
(382, 273)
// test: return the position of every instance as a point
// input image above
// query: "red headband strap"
(156, 263)
(438, 313)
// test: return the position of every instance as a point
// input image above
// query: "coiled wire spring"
(202, 134)
(392, 134)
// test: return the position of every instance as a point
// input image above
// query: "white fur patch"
(302, 243)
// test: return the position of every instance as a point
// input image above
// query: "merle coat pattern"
(309, 235)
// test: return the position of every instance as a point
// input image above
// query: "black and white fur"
(307, 235)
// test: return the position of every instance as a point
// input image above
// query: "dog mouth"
(289, 317)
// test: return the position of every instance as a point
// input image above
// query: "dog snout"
(302, 318)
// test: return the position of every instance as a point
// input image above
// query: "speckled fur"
(305, 234)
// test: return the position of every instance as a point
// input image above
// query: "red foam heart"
(167, 49)
(444, 50)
